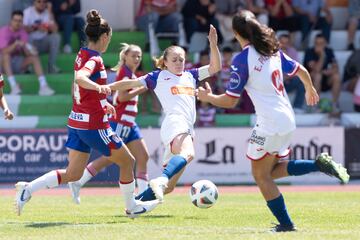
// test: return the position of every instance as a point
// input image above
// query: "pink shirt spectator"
(8, 37)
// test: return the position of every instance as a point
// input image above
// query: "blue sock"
(278, 208)
(174, 166)
(146, 195)
(301, 167)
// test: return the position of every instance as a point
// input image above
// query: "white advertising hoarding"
(221, 154)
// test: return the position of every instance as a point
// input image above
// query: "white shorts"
(261, 145)
(172, 126)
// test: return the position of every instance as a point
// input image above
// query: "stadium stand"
(51, 112)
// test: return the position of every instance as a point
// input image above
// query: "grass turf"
(318, 215)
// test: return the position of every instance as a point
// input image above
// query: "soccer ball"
(203, 194)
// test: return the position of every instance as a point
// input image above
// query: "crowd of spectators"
(45, 26)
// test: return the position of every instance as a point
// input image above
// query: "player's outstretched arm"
(3, 104)
(311, 96)
(222, 100)
(83, 80)
(215, 57)
(126, 84)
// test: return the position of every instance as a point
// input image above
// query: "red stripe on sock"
(121, 182)
(91, 169)
(142, 175)
(58, 176)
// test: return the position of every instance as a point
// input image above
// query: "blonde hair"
(160, 62)
(125, 48)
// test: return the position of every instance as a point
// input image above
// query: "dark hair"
(17, 12)
(320, 35)
(227, 50)
(262, 37)
(96, 25)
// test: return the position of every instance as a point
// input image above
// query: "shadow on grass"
(47, 224)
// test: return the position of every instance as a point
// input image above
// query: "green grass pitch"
(318, 215)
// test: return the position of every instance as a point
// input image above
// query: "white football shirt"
(262, 78)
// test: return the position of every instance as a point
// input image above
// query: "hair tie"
(247, 18)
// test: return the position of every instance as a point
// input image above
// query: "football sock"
(146, 195)
(142, 181)
(174, 166)
(42, 81)
(49, 180)
(278, 208)
(12, 81)
(301, 167)
(89, 172)
(127, 190)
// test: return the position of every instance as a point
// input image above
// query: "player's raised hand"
(8, 114)
(203, 93)
(311, 96)
(213, 37)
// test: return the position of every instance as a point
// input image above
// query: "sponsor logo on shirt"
(176, 90)
(234, 80)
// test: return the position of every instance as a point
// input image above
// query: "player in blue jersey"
(259, 69)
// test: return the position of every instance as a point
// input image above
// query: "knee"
(73, 176)
(260, 177)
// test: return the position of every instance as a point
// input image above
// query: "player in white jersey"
(259, 69)
(8, 115)
(175, 89)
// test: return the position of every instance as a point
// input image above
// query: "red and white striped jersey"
(88, 105)
(1, 81)
(126, 112)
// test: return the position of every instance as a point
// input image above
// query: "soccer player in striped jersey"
(88, 126)
(259, 69)
(123, 123)
(175, 89)
(8, 115)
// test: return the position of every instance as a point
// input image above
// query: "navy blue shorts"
(102, 140)
(126, 133)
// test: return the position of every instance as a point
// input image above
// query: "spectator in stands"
(321, 63)
(198, 15)
(17, 54)
(226, 9)
(225, 72)
(352, 77)
(43, 31)
(8, 115)
(21, 5)
(293, 83)
(206, 115)
(163, 15)
(354, 18)
(281, 15)
(313, 14)
(204, 60)
(67, 17)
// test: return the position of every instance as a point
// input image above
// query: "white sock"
(85, 177)
(12, 81)
(48, 180)
(142, 185)
(164, 180)
(128, 192)
(42, 81)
